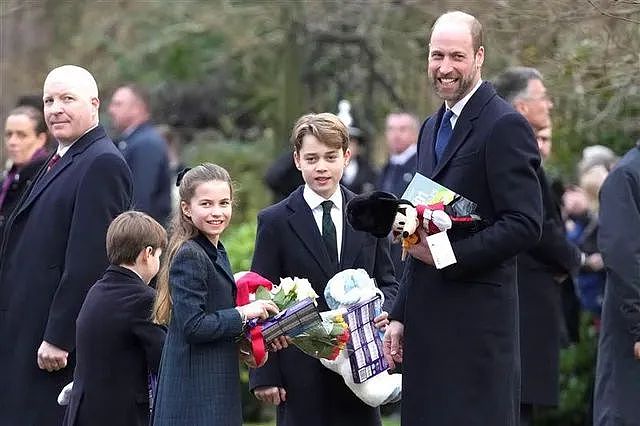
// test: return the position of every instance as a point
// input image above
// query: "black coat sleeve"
(512, 159)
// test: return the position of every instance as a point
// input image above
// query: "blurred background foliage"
(248, 68)
(231, 77)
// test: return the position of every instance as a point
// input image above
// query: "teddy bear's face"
(405, 221)
(400, 220)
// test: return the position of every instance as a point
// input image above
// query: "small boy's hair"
(130, 233)
(326, 127)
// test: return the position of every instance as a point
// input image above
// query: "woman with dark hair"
(25, 137)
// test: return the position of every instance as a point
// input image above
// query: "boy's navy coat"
(289, 244)
(117, 346)
(53, 251)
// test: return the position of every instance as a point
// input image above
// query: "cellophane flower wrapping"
(324, 340)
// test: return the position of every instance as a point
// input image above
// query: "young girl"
(199, 381)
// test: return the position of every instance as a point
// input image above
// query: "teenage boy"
(117, 345)
(307, 235)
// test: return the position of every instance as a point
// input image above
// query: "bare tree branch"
(619, 15)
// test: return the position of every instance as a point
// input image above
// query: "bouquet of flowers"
(324, 340)
(288, 293)
(320, 336)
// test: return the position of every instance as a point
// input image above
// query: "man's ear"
(520, 106)
(480, 57)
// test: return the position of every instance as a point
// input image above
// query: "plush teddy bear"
(345, 289)
(408, 219)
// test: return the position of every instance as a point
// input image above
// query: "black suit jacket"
(117, 347)
(461, 357)
(289, 244)
(52, 252)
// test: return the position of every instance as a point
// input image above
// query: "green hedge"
(246, 163)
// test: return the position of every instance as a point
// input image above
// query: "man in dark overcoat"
(145, 151)
(617, 393)
(541, 270)
(53, 250)
(456, 329)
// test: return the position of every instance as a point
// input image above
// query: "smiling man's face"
(453, 66)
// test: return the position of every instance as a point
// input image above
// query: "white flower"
(304, 289)
(287, 284)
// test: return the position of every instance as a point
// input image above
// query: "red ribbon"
(246, 285)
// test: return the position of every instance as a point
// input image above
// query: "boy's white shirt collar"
(459, 106)
(132, 270)
(314, 201)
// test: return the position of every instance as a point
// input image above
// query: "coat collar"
(218, 257)
(43, 179)
(464, 126)
(119, 270)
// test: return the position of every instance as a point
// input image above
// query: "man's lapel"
(45, 178)
(305, 227)
(459, 135)
(464, 124)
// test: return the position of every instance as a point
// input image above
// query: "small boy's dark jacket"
(289, 244)
(117, 346)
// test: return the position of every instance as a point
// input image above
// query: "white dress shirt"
(315, 203)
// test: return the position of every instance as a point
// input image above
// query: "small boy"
(307, 235)
(117, 345)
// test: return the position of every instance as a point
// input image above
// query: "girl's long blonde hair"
(182, 229)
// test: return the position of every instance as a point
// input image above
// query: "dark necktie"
(52, 162)
(444, 134)
(329, 231)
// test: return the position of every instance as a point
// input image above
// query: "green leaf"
(279, 298)
(262, 294)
